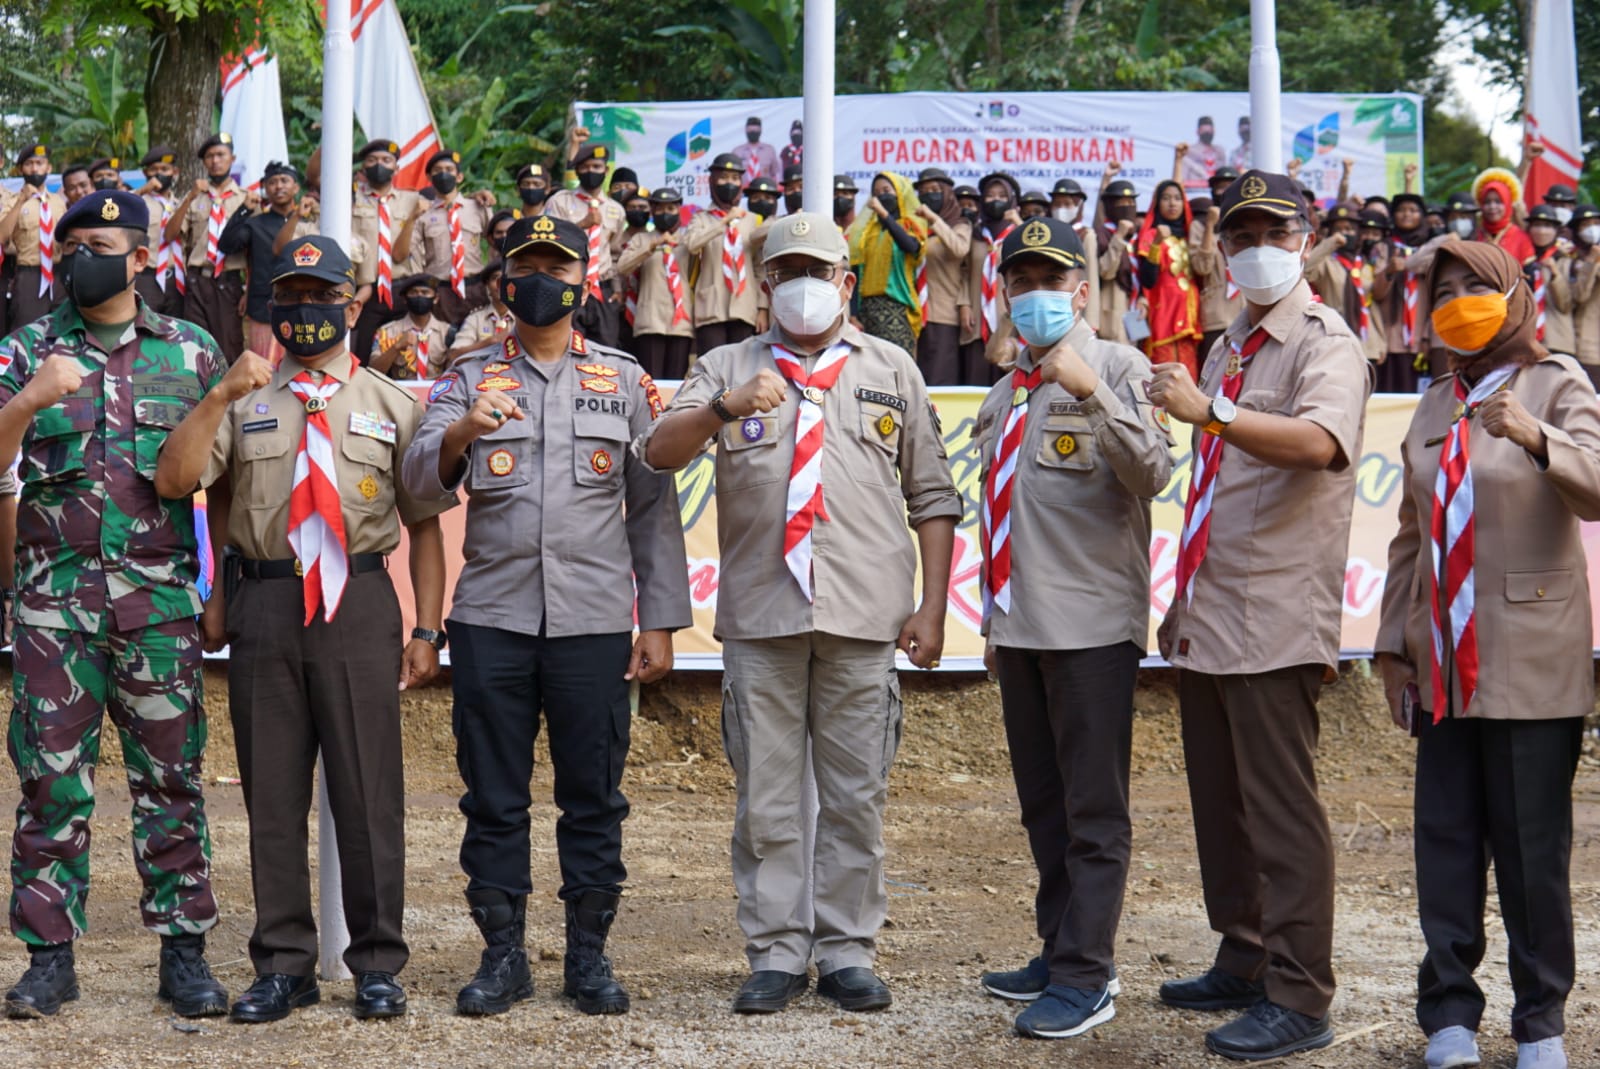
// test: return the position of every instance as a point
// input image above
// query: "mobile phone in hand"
(1411, 708)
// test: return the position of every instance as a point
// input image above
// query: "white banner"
(1037, 137)
(252, 114)
(390, 102)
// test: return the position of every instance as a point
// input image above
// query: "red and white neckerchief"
(1203, 479)
(1233, 290)
(385, 251)
(994, 517)
(734, 274)
(669, 265)
(1408, 307)
(922, 288)
(591, 271)
(1452, 538)
(316, 517)
(990, 287)
(458, 251)
(805, 504)
(1543, 278)
(1355, 270)
(421, 335)
(630, 300)
(169, 254)
(47, 246)
(214, 231)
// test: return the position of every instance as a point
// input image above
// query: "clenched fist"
(248, 374)
(763, 393)
(489, 413)
(56, 377)
(1062, 365)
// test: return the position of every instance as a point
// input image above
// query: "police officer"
(664, 324)
(604, 223)
(562, 521)
(106, 608)
(1067, 610)
(383, 217)
(718, 238)
(214, 279)
(28, 232)
(313, 625)
(1254, 623)
(162, 283)
(814, 601)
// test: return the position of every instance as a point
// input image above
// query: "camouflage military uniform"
(106, 607)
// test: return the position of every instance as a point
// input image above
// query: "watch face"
(1223, 410)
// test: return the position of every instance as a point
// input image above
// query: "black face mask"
(418, 305)
(638, 219)
(623, 194)
(791, 202)
(539, 300)
(891, 204)
(312, 328)
(378, 176)
(443, 182)
(1119, 212)
(725, 192)
(666, 222)
(934, 201)
(92, 279)
(1368, 246)
(533, 197)
(34, 180)
(843, 206)
(764, 208)
(164, 181)
(795, 139)
(969, 214)
(591, 180)
(995, 210)
(752, 134)
(219, 179)
(107, 183)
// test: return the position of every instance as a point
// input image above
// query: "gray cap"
(806, 234)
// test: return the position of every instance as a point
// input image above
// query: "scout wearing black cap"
(966, 191)
(843, 183)
(593, 150)
(442, 154)
(728, 162)
(546, 232)
(212, 142)
(1371, 217)
(1338, 213)
(105, 207)
(1584, 212)
(531, 170)
(1408, 198)
(1044, 237)
(1119, 189)
(932, 174)
(1461, 202)
(1033, 196)
(378, 145)
(158, 154)
(1066, 187)
(105, 163)
(1560, 193)
(762, 185)
(1001, 176)
(1258, 191)
(30, 151)
(314, 257)
(665, 195)
(624, 176)
(1224, 174)
(277, 167)
(1544, 213)
(793, 173)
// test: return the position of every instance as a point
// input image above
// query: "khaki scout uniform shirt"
(562, 521)
(372, 420)
(194, 227)
(433, 230)
(1329, 278)
(407, 363)
(1091, 257)
(1080, 503)
(25, 237)
(1586, 309)
(1560, 335)
(480, 327)
(714, 302)
(573, 206)
(157, 204)
(654, 313)
(1217, 309)
(364, 225)
(1269, 593)
(863, 561)
(999, 344)
(1114, 300)
(946, 256)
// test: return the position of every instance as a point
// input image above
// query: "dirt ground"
(961, 902)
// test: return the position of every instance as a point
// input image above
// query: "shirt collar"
(289, 367)
(1279, 318)
(848, 333)
(68, 321)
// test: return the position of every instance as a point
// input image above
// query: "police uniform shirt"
(573, 206)
(25, 237)
(654, 312)
(373, 421)
(883, 463)
(199, 219)
(364, 225)
(1080, 502)
(408, 362)
(433, 230)
(1270, 591)
(714, 302)
(946, 257)
(562, 521)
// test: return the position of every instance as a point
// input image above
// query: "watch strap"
(1214, 427)
(436, 639)
(721, 409)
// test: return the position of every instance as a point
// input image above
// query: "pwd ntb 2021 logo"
(689, 145)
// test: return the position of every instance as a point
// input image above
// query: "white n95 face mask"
(805, 307)
(1266, 273)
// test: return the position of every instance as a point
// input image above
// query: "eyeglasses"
(287, 297)
(1237, 241)
(821, 272)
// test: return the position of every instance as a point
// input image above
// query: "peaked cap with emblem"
(381, 144)
(158, 154)
(1262, 191)
(212, 142)
(805, 234)
(314, 257)
(1047, 237)
(546, 231)
(105, 207)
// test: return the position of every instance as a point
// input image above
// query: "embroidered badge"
(752, 429)
(1066, 445)
(600, 462)
(368, 487)
(1163, 420)
(501, 462)
(441, 386)
(263, 409)
(878, 397)
(653, 396)
(496, 367)
(307, 255)
(498, 382)
(599, 385)
(886, 424)
(599, 369)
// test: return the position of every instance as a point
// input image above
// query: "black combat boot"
(186, 979)
(503, 976)
(588, 971)
(49, 981)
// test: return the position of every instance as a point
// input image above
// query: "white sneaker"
(1546, 1054)
(1449, 1048)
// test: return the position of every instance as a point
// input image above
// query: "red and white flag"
(1551, 109)
(252, 113)
(390, 101)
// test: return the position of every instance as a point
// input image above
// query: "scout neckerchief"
(733, 266)
(596, 235)
(922, 286)
(214, 231)
(420, 367)
(990, 296)
(805, 504)
(1203, 480)
(385, 251)
(1408, 307)
(458, 251)
(316, 518)
(1453, 552)
(169, 254)
(1541, 278)
(47, 246)
(1355, 269)
(995, 528)
(669, 264)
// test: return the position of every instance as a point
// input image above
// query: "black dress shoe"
(768, 991)
(1216, 990)
(379, 995)
(855, 988)
(1268, 1030)
(273, 995)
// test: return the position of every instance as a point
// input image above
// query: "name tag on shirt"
(369, 425)
(879, 398)
(1066, 408)
(257, 425)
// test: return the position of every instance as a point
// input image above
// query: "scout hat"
(793, 173)
(665, 195)
(843, 183)
(1066, 187)
(212, 142)
(1260, 191)
(1561, 193)
(1119, 189)
(1461, 202)
(762, 185)
(806, 234)
(933, 174)
(1544, 213)
(1033, 196)
(1583, 212)
(105, 207)
(314, 257)
(727, 162)
(546, 231)
(158, 154)
(1371, 217)
(381, 144)
(1047, 237)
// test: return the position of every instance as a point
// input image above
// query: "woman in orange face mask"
(1485, 644)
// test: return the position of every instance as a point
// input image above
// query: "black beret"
(105, 207)
(212, 142)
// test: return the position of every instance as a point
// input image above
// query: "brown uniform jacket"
(946, 256)
(373, 421)
(573, 206)
(1530, 577)
(433, 230)
(1560, 334)
(1329, 277)
(1217, 309)
(409, 363)
(1270, 591)
(480, 327)
(644, 255)
(199, 218)
(1114, 300)
(1586, 309)
(24, 244)
(864, 563)
(1080, 503)
(714, 302)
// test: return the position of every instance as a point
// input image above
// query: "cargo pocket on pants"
(894, 722)
(732, 731)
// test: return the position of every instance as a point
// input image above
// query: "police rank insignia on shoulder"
(501, 462)
(598, 385)
(579, 346)
(368, 487)
(441, 386)
(885, 425)
(498, 382)
(652, 395)
(601, 461)
(599, 369)
(372, 425)
(1066, 445)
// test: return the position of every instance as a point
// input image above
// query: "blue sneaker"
(1028, 983)
(1063, 1012)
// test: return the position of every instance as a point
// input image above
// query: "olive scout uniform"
(724, 277)
(32, 244)
(214, 281)
(663, 326)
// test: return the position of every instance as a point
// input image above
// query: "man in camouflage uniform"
(106, 607)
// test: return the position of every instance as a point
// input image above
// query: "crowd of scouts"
(161, 345)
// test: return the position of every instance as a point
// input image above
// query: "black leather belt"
(290, 569)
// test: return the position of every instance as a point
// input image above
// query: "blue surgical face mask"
(1042, 317)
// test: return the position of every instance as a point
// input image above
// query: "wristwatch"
(1223, 413)
(436, 639)
(721, 409)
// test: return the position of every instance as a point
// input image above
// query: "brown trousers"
(26, 304)
(292, 691)
(1266, 855)
(939, 354)
(663, 356)
(211, 302)
(167, 302)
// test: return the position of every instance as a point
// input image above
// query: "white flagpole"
(1266, 112)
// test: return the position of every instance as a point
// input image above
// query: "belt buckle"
(299, 569)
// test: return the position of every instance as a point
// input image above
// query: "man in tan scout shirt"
(29, 243)
(451, 231)
(1220, 300)
(215, 282)
(663, 328)
(945, 257)
(313, 624)
(813, 600)
(1254, 623)
(1338, 269)
(382, 218)
(724, 273)
(416, 346)
(604, 222)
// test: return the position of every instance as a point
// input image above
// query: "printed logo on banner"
(998, 109)
(1318, 139)
(689, 145)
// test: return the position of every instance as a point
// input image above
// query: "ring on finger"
(499, 415)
